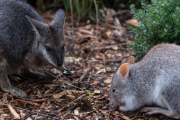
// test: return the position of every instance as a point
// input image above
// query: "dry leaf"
(108, 33)
(115, 48)
(71, 96)
(116, 33)
(93, 59)
(83, 114)
(108, 80)
(101, 71)
(4, 97)
(47, 91)
(104, 111)
(5, 116)
(76, 118)
(97, 68)
(76, 112)
(108, 69)
(109, 86)
(95, 82)
(88, 117)
(101, 97)
(69, 92)
(55, 71)
(132, 22)
(28, 118)
(22, 113)
(108, 18)
(38, 100)
(86, 27)
(100, 56)
(97, 91)
(73, 60)
(58, 95)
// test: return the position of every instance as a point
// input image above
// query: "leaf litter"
(85, 94)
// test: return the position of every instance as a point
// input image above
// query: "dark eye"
(114, 90)
(48, 48)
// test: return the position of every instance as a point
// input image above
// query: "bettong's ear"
(38, 26)
(124, 71)
(129, 60)
(59, 20)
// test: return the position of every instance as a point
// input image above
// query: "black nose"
(59, 64)
(114, 90)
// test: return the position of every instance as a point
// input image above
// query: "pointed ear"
(129, 60)
(38, 26)
(59, 20)
(124, 71)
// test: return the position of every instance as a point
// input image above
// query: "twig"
(108, 60)
(79, 92)
(112, 47)
(62, 81)
(72, 18)
(136, 115)
(96, 24)
(29, 103)
(110, 26)
(86, 31)
(124, 117)
(71, 102)
(37, 114)
(108, 47)
(42, 114)
(86, 72)
(73, 41)
(77, 23)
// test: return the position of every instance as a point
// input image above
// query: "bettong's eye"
(48, 48)
(114, 90)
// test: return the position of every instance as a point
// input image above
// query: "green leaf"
(90, 95)
(91, 44)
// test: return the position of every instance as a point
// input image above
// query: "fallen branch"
(15, 114)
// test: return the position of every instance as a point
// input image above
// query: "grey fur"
(153, 80)
(27, 42)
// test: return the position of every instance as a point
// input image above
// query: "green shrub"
(159, 22)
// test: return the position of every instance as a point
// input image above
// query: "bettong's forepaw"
(67, 72)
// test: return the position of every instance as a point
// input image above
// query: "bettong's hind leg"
(5, 83)
(156, 110)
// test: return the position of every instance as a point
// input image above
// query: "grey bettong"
(28, 43)
(153, 80)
